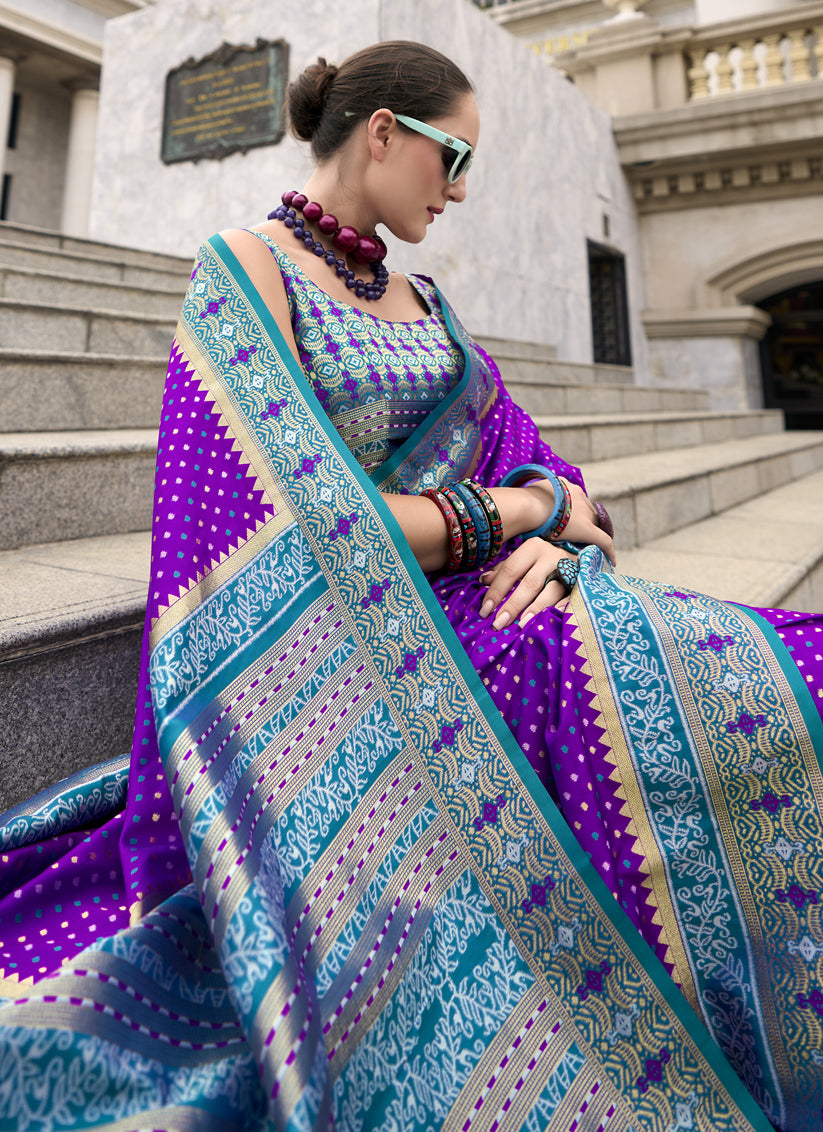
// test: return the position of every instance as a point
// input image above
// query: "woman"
(337, 891)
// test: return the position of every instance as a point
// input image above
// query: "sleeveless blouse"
(377, 380)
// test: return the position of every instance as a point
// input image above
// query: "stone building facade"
(51, 53)
(717, 108)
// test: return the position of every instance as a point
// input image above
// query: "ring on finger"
(566, 572)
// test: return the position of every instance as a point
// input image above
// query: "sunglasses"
(457, 155)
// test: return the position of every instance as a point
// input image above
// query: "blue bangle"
(481, 520)
(537, 471)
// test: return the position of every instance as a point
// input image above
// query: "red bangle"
(563, 522)
(455, 531)
(469, 529)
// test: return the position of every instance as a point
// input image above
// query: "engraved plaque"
(230, 100)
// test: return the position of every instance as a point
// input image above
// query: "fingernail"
(486, 608)
(501, 620)
(483, 579)
(525, 619)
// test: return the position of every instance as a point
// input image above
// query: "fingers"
(522, 576)
(551, 594)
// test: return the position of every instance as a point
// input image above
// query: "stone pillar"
(80, 162)
(8, 69)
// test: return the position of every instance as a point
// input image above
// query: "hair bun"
(307, 98)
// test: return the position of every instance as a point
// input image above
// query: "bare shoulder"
(261, 267)
(248, 248)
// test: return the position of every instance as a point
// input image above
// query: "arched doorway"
(791, 355)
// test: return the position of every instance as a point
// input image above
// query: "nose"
(457, 190)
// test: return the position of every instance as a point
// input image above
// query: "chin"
(408, 235)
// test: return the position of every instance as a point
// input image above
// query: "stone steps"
(585, 438)
(71, 619)
(655, 493)
(42, 326)
(559, 395)
(766, 552)
(24, 234)
(26, 284)
(100, 268)
(76, 484)
(61, 391)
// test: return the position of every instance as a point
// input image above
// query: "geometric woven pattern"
(210, 514)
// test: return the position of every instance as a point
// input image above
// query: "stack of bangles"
(473, 522)
(476, 529)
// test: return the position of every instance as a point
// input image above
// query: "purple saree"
(327, 888)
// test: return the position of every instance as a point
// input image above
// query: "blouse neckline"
(351, 306)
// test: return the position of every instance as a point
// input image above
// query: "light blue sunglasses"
(463, 152)
(456, 167)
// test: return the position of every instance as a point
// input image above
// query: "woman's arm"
(521, 509)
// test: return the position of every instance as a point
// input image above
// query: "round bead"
(330, 260)
(288, 197)
(328, 224)
(350, 283)
(288, 222)
(299, 201)
(308, 239)
(383, 252)
(346, 238)
(298, 233)
(319, 250)
(366, 250)
(312, 211)
(300, 222)
(342, 272)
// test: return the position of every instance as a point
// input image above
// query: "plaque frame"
(217, 148)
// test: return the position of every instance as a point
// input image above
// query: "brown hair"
(326, 102)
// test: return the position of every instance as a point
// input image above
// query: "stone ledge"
(721, 322)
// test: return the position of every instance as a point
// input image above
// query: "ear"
(380, 130)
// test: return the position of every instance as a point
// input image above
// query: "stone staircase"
(724, 502)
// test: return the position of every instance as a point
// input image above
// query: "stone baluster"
(818, 48)
(724, 69)
(774, 60)
(748, 65)
(698, 75)
(799, 55)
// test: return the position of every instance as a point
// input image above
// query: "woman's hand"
(584, 524)
(527, 568)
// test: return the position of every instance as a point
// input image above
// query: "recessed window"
(14, 118)
(4, 196)
(610, 306)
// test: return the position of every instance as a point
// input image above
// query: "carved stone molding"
(763, 273)
(725, 322)
(728, 183)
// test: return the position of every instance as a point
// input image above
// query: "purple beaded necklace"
(363, 249)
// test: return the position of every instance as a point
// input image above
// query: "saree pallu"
(329, 888)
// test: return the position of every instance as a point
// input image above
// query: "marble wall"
(512, 258)
(726, 367)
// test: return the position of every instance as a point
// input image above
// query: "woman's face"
(415, 186)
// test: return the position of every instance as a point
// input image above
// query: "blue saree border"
(568, 845)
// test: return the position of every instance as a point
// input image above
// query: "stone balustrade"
(745, 57)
